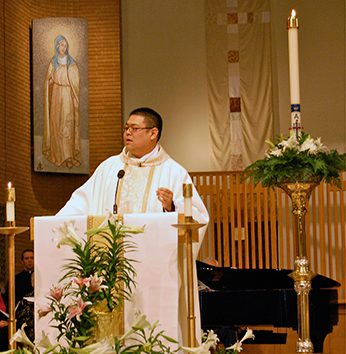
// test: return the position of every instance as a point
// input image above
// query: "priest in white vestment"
(148, 180)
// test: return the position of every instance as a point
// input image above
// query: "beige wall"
(164, 66)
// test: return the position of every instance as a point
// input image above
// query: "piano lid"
(228, 279)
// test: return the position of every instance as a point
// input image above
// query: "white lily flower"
(67, 235)
(290, 143)
(140, 323)
(21, 337)
(211, 340)
(238, 345)
(275, 152)
(110, 217)
(103, 347)
(44, 341)
(309, 146)
(320, 147)
(248, 335)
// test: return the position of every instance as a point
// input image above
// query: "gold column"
(300, 192)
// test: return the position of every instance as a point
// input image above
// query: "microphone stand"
(120, 175)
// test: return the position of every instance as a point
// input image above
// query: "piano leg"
(317, 338)
(227, 335)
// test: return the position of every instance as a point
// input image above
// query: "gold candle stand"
(188, 236)
(10, 232)
(300, 192)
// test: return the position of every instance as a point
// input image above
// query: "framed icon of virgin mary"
(60, 95)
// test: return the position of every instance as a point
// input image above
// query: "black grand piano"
(246, 297)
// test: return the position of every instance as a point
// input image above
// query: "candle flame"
(9, 185)
(292, 21)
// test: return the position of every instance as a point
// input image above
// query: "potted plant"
(87, 302)
(293, 159)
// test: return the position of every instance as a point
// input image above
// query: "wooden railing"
(252, 227)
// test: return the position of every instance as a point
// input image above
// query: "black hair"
(26, 250)
(152, 116)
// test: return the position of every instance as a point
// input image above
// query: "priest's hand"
(165, 196)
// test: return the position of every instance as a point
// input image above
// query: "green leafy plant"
(292, 159)
(98, 278)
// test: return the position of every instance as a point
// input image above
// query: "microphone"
(120, 175)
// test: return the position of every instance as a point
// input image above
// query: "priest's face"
(139, 136)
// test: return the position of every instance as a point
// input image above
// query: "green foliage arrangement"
(98, 278)
(292, 159)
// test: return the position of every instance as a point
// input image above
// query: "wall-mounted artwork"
(60, 95)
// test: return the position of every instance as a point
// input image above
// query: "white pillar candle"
(11, 198)
(187, 193)
(293, 55)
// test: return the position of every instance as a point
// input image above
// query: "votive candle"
(11, 198)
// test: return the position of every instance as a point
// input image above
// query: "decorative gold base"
(305, 346)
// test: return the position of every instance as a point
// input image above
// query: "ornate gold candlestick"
(10, 232)
(300, 192)
(187, 233)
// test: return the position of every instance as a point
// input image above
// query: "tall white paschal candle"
(293, 54)
(187, 193)
(11, 198)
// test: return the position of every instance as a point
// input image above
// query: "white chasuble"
(134, 189)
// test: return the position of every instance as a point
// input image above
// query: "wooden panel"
(253, 227)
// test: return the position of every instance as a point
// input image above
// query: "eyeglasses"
(135, 130)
